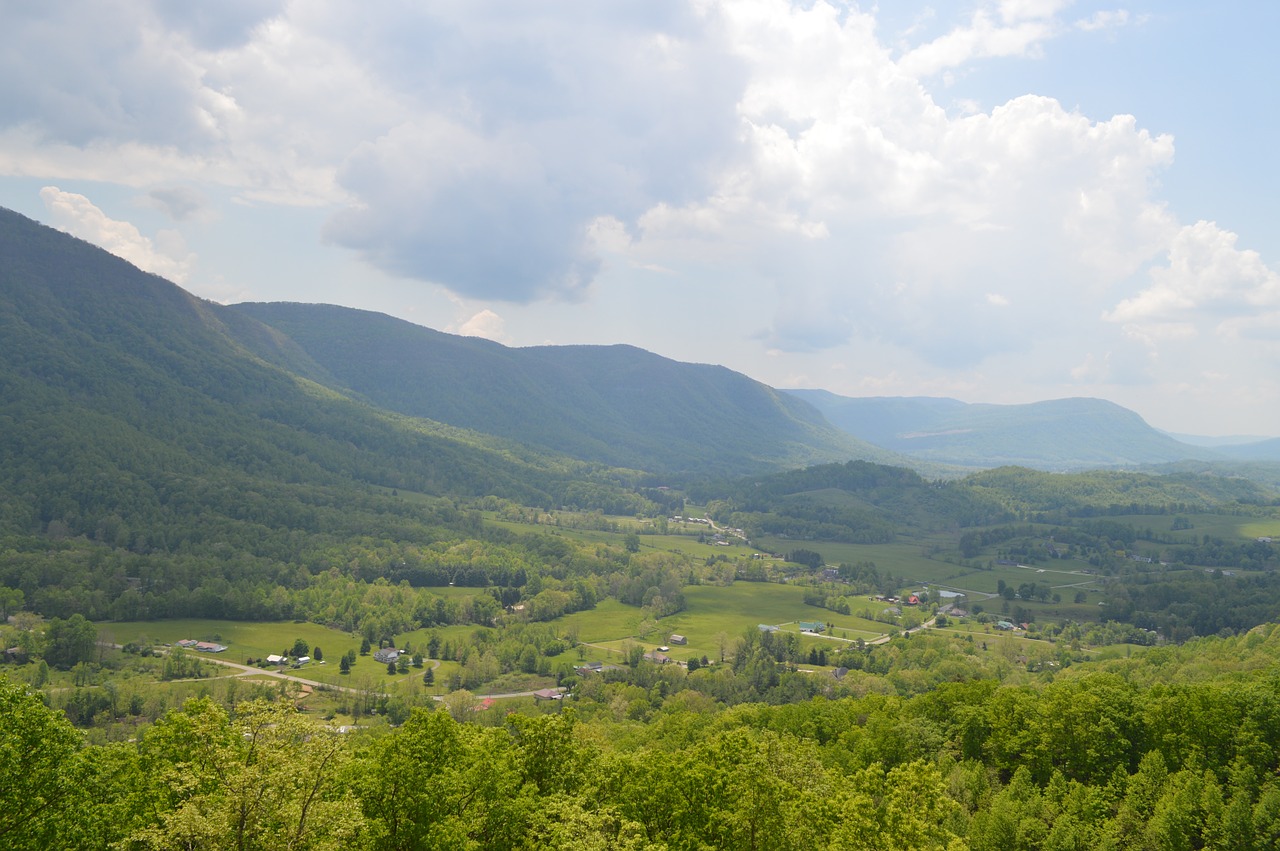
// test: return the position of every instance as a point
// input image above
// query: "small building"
(764, 627)
(678, 639)
(273, 659)
(657, 657)
(548, 694)
(812, 626)
(1005, 625)
(209, 647)
(187, 642)
(590, 668)
(386, 654)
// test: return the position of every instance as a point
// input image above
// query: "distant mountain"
(1212, 442)
(616, 405)
(1262, 450)
(1062, 434)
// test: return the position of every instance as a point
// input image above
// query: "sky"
(997, 201)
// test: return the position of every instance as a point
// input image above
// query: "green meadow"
(246, 640)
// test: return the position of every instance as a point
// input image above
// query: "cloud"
(1207, 278)
(217, 26)
(874, 214)
(527, 133)
(180, 203)
(485, 324)
(1014, 28)
(167, 256)
(1104, 20)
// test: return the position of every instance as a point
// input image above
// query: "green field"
(713, 611)
(246, 640)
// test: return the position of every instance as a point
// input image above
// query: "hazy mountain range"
(1060, 434)
(96, 354)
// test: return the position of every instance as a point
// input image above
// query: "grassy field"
(245, 640)
(1226, 526)
(712, 612)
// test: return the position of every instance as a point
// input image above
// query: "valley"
(592, 597)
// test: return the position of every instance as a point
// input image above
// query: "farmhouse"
(386, 654)
(209, 647)
(273, 659)
(764, 627)
(812, 626)
(548, 694)
(658, 657)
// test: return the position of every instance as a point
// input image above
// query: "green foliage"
(37, 770)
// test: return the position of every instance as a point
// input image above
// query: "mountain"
(1061, 434)
(127, 403)
(616, 405)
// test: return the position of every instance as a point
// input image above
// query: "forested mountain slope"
(1059, 434)
(132, 413)
(617, 405)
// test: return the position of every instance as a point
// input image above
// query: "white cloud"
(1207, 277)
(1017, 28)
(167, 256)
(485, 324)
(1104, 20)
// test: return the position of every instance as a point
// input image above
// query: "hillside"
(1060, 434)
(616, 405)
(131, 410)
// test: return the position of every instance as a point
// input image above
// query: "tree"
(631, 542)
(344, 667)
(429, 677)
(391, 668)
(317, 653)
(364, 646)
(269, 778)
(37, 755)
(70, 642)
(435, 784)
(300, 648)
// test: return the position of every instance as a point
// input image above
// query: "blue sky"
(994, 201)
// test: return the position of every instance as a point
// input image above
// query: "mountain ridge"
(1074, 433)
(618, 405)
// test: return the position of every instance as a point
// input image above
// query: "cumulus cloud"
(485, 324)
(1207, 276)
(877, 215)
(166, 256)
